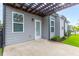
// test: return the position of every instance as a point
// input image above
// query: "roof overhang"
(41, 9)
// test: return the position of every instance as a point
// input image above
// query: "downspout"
(4, 23)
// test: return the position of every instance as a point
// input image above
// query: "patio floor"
(41, 48)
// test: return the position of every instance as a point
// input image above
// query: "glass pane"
(52, 23)
(20, 18)
(37, 28)
(17, 17)
(18, 27)
(52, 29)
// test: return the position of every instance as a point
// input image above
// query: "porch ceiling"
(41, 9)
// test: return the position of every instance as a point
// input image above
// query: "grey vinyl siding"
(29, 27)
(45, 28)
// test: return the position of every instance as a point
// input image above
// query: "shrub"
(55, 38)
(69, 32)
(63, 38)
(66, 33)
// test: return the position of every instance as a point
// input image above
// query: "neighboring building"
(62, 26)
(21, 26)
(66, 24)
(70, 27)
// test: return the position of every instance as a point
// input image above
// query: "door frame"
(40, 29)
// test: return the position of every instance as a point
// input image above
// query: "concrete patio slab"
(41, 48)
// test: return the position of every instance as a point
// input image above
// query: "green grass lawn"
(1, 52)
(72, 40)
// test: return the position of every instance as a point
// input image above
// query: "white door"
(37, 29)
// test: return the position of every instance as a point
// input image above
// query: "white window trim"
(52, 19)
(17, 22)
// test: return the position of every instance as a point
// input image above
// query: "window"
(17, 22)
(52, 29)
(52, 25)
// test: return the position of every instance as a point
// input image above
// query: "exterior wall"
(45, 28)
(61, 27)
(29, 27)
